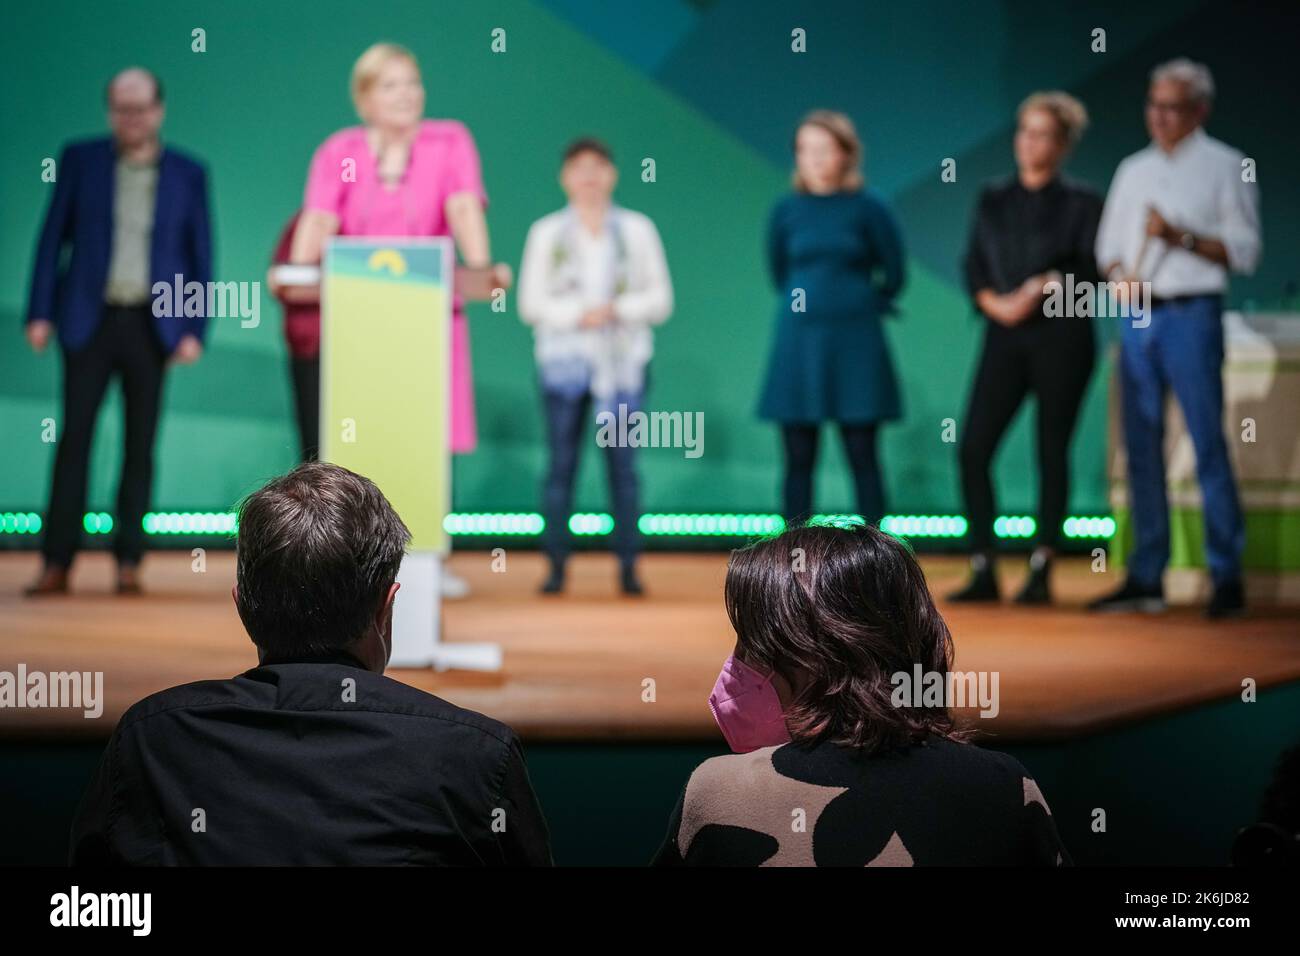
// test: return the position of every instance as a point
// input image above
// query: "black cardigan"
(937, 804)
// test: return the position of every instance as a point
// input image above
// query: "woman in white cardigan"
(593, 284)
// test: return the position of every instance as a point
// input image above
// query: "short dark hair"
(317, 550)
(847, 606)
(157, 84)
(588, 144)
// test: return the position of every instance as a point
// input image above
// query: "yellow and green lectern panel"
(385, 373)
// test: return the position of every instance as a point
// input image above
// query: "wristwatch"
(1188, 241)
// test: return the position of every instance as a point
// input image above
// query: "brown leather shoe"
(128, 580)
(53, 580)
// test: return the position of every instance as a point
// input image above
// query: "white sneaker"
(454, 587)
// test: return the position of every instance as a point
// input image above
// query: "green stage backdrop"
(710, 92)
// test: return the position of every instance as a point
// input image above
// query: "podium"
(385, 413)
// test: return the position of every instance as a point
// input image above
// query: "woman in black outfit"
(840, 759)
(1030, 231)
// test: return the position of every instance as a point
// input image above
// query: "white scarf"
(603, 360)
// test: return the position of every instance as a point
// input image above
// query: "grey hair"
(1196, 76)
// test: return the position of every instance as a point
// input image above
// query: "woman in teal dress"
(837, 261)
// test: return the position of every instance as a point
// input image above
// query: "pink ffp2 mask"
(746, 707)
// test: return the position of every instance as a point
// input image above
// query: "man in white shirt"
(1181, 214)
(593, 283)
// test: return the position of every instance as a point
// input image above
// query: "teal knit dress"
(837, 263)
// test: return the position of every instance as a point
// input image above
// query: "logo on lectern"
(389, 259)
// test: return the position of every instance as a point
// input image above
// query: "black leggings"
(1054, 362)
(306, 402)
(801, 454)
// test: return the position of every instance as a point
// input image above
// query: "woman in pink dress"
(400, 174)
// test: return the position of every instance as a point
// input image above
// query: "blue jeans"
(1182, 350)
(568, 425)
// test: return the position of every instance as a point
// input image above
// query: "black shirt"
(937, 804)
(1018, 233)
(321, 763)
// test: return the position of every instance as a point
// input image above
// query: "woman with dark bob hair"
(838, 760)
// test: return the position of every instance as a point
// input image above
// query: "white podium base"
(467, 657)
(417, 622)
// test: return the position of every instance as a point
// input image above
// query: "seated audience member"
(313, 757)
(1275, 840)
(835, 764)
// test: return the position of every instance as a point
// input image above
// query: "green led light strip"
(19, 522)
(494, 524)
(531, 524)
(97, 522)
(190, 522)
(1014, 526)
(709, 524)
(924, 526)
(1097, 527)
(591, 524)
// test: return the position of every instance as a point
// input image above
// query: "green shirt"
(134, 194)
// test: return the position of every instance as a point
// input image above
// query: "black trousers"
(1052, 359)
(306, 400)
(123, 345)
(800, 442)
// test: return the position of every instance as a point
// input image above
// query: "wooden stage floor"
(575, 664)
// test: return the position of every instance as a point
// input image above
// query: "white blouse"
(566, 271)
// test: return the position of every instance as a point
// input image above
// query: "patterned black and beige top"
(938, 804)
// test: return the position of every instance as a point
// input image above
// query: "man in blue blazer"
(127, 222)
